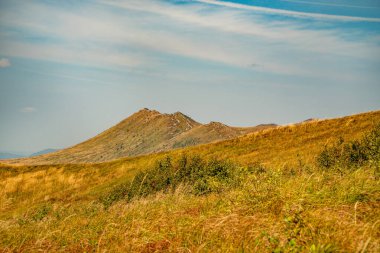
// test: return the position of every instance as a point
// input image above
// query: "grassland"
(286, 203)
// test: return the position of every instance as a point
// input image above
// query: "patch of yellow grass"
(293, 206)
(316, 211)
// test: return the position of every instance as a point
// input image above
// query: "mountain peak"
(176, 115)
(216, 124)
(179, 114)
(146, 110)
(146, 131)
(144, 113)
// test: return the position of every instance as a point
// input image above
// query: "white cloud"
(144, 34)
(288, 13)
(237, 22)
(4, 62)
(234, 37)
(28, 109)
(329, 4)
(75, 54)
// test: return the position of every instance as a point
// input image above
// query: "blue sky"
(71, 69)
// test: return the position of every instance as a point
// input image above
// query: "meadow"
(309, 187)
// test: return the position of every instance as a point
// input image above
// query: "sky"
(71, 69)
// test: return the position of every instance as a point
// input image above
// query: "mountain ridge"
(7, 155)
(44, 151)
(145, 131)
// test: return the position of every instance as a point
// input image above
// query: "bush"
(203, 176)
(353, 154)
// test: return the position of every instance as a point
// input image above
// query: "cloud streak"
(330, 4)
(287, 12)
(146, 35)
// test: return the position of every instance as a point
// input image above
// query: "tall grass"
(204, 203)
(202, 176)
(271, 211)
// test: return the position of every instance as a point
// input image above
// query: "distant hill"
(146, 131)
(4, 155)
(45, 151)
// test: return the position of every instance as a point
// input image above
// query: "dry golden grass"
(280, 211)
(293, 206)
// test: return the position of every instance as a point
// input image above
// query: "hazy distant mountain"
(4, 155)
(146, 131)
(45, 151)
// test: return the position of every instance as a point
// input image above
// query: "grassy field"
(281, 200)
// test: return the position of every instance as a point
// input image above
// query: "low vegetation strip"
(354, 153)
(202, 176)
(218, 175)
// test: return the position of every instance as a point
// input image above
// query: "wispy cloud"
(287, 12)
(330, 4)
(146, 34)
(4, 62)
(266, 41)
(27, 109)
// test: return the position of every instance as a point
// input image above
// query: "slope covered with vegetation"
(312, 187)
(146, 131)
(208, 133)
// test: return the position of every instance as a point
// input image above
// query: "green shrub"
(353, 154)
(203, 176)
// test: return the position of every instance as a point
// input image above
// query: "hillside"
(4, 155)
(214, 131)
(146, 131)
(270, 197)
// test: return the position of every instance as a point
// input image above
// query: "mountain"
(4, 155)
(146, 131)
(45, 151)
(249, 183)
(214, 131)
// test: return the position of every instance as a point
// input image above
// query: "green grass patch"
(353, 154)
(201, 175)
